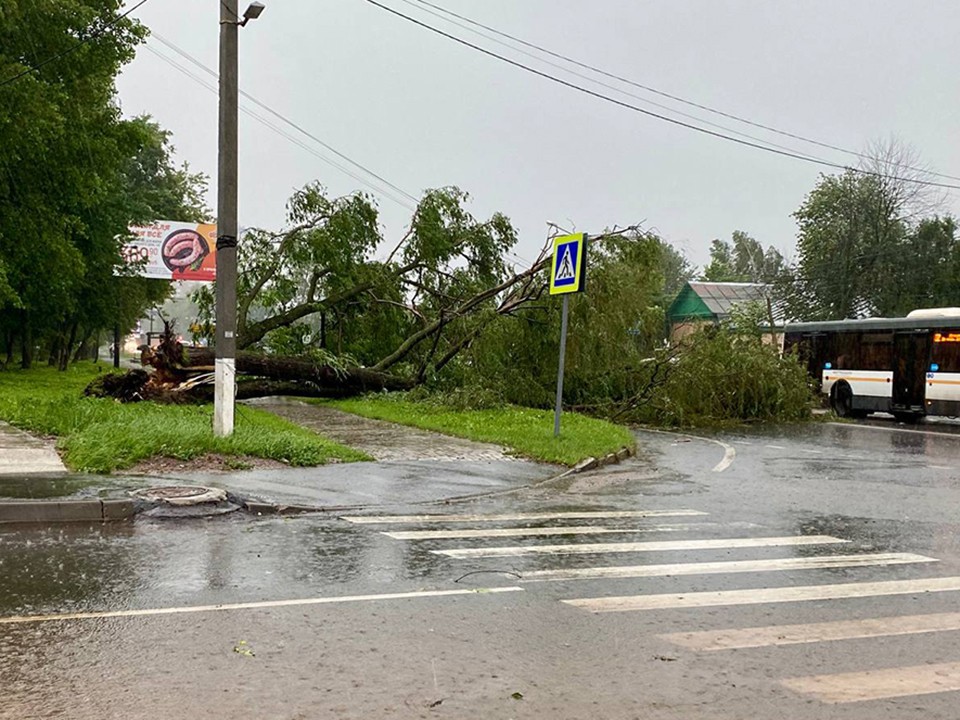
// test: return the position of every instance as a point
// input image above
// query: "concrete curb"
(592, 463)
(56, 511)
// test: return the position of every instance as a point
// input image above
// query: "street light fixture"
(253, 11)
(225, 375)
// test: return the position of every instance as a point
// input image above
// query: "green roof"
(712, 301)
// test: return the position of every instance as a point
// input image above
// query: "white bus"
(909, 367)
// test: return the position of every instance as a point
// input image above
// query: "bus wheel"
(841, 400)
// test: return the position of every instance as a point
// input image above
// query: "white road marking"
(21, 619)
(812, 452)
(939, 467)
(757, 596)
(773, 635)
(568, 530)
(625, 547)
(499, 532)
(775, 447)
(586, 515)
(879, 684)
(728, 566)
(729, 455)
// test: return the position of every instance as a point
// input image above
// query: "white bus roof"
(874, 324)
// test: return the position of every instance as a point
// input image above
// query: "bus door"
(911, 352)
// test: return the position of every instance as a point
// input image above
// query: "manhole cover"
(182, 495)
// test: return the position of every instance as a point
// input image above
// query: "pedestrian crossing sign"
(569, 268)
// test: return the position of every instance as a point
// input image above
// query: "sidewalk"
(384, 441)
(22, 454)
(412, 465)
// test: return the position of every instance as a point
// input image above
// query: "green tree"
(743, 260)
(74, 176)
(614, 327)
(675, 268)
(319, 280)
(867, 244)
(929, 273)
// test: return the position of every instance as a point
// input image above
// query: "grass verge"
(100, 435)
(523, 431)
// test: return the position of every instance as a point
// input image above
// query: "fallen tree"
(441, 305)
(185, 375)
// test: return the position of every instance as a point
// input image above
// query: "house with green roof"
(710, 302)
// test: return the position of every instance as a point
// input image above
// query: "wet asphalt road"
(510, 647)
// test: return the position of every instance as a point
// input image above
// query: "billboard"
(170, 250)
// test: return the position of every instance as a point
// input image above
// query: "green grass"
(101, 435)
(522, 430)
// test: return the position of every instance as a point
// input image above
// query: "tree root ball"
(126, 387)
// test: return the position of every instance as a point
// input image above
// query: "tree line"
(872, 241)
(75, 175)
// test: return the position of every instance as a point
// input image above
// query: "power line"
(661, 93)
(195, 61)
(649, 113)
(93, 36)
(190, 58)
(602, 84)
(296, 141)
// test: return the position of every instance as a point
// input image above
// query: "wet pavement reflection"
(877, 489)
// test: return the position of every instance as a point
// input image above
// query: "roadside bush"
(721, 375)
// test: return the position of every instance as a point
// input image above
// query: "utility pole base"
(225, 390)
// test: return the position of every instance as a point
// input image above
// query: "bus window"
(945, 350)
(876, 351)
(846, 351)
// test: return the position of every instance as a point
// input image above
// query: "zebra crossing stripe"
(584, 515)
(728, 566)
(757, 596)
(536, 532)
(879, 684)
(775, 635)
(499, 532)
(628, 547)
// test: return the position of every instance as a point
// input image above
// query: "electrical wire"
(213, 73)
(93, 36)
(649, 113)
(411, 206)
(602, 84)
(661, 93)
(293, 139)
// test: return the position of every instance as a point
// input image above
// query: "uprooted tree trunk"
(321, 379)
(182, 375)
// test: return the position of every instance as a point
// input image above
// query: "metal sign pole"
(563, 352)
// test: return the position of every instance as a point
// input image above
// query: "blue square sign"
(567, 270)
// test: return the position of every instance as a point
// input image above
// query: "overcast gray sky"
(423, 112)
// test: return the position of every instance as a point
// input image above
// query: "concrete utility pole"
(225, 375)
